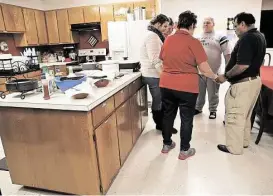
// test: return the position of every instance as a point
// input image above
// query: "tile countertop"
(60, 101)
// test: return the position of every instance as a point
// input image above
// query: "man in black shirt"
(242, 72)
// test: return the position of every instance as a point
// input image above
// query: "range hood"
(94, 26)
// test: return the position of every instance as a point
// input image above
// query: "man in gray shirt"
(215, 45)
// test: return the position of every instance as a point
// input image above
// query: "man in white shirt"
(215, 45)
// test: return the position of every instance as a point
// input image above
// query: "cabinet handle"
(122, 91)
(104, 104)
(134, 82)
(106, 122)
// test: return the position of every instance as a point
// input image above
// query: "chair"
(264, 110)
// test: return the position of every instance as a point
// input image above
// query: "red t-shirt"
(181, 53)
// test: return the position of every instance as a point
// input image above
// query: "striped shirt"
(215, 45)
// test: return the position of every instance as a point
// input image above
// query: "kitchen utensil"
(102, 83)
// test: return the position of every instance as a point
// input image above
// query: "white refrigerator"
(125, 38)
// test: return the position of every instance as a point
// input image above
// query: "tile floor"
(210, 172)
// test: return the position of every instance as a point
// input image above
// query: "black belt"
(244, 80)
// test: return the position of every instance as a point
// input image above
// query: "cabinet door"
(121, 9)
(135, 114)
(76, 15)
(41, 26)
(150, 7)
(106, 14)
(143, 106)
(91, 13)
(63, 26)
(124, 131)
(31, 28)
(52, 27)
(108, 151)
(2, 24)
(13, 18)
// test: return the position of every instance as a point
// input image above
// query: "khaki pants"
(239, 102)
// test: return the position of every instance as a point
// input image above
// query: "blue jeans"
(153, 84)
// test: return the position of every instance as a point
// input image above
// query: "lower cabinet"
(135, 116)
(115, 136)
(124, 131)
(108, 151)
(143, 106)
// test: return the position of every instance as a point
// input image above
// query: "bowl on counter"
(102, 83)
(80, 95)
(65, 83)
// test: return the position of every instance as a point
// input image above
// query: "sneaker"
(212, 115)
(167, 148)
(186, 154)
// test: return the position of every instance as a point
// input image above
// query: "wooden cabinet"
(143, 106)
(52, 27)
(31, 28)
(135, 114)
(41, 26)
(150, 7)
(121, 10)
(91, 14)
(108, 151)
(2, 24)
(65, 33)
(13, 18)
(106, 14)
(76, 15)
(102, 111)
(124, 131)
(121, 96)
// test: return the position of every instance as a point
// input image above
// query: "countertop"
(60, 101)
(55, 63)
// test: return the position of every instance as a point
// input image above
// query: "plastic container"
(64, 85)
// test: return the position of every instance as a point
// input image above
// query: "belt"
(244, 80)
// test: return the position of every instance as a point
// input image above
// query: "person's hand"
(220, 79)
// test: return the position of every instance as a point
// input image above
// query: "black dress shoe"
(223, 148)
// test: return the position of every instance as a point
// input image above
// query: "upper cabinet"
(121, 10)
(2, 24)
(149, 6)
(76, 15)
(52, 27)
(63, 26)
(31, 28)
(65, 33)
(41, 27)
(91, 14)
(30, 37)
(13, 18)
(106, 15)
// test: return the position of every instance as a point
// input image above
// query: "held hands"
(220, 79)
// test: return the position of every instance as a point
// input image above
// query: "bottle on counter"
(45, 87)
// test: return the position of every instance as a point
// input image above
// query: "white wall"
(220, 10)
(36, 4)
(267, 5)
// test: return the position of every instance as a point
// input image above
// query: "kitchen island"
(73, 146)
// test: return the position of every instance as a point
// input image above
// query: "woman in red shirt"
(182, 55)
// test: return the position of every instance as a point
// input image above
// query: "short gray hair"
(210, 18)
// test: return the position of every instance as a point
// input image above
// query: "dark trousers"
(171, 100)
